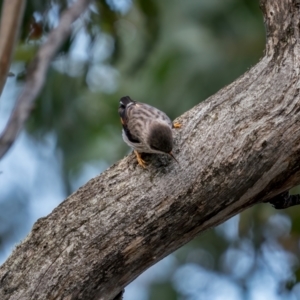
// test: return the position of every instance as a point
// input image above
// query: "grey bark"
(238, 148)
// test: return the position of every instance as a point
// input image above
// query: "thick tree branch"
(238, 148)
(37, 73)
(11, 17)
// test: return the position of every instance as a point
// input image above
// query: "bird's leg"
(176, 125)
(141, 162)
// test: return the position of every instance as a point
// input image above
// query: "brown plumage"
(145, 128)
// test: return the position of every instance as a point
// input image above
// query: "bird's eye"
(122, 105)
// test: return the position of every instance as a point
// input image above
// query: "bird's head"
(160, 139)
(124, 102)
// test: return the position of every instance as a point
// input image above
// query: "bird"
(146, 129)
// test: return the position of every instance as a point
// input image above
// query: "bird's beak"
(171, 154)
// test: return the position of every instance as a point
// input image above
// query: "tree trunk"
(238, 148)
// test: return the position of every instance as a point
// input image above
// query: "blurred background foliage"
(171, 54)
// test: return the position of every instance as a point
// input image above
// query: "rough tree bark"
(238, 148)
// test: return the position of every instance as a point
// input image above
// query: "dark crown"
(125, 100)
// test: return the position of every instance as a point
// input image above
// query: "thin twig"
(11, 17)
(37, 73)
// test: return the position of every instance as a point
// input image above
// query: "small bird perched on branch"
(146, 129)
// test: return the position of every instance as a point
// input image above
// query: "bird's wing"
(157, 114)
(129, 121)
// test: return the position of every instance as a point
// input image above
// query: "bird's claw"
(177, 125)
(141, 162)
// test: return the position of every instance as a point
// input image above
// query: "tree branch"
(284, 200)
(238, 148)
(11, 17)
(37, 73)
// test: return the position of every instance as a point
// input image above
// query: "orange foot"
(141, 162)
(176, 125)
